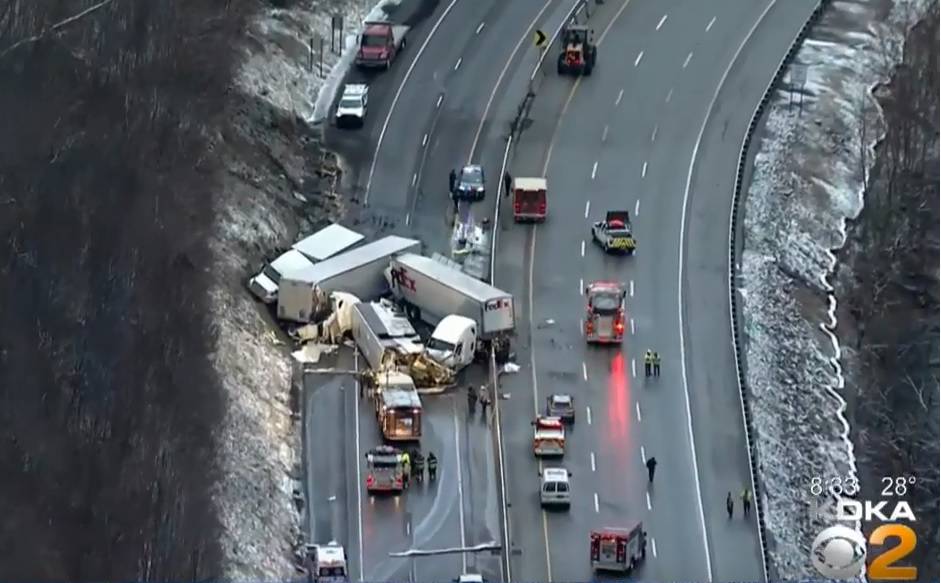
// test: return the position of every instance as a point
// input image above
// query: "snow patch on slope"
(809, 176)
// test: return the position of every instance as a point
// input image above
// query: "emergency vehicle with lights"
(385, 469)
(548, 437)
(326, 563)
(618, 549)
(615, 233)
(530, 199)
(604, 321)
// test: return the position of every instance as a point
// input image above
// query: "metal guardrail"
(736, 323)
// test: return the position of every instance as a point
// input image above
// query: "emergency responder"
(484, 400)
(656, 364)
(729, 505)
(452, 181)
(418, 466)
(432, 466)
(648, 362)
(406, 466)
(651, 468)
(471, 398)
(507, 183)
(746, 502)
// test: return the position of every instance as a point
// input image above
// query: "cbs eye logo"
(838, 552)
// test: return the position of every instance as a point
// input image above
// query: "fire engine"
(548, 437)
(604, 321)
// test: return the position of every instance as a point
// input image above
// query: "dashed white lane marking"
(424, 140)
(604, 134)
(584, 371)
(632, 282)
(440, 99)
(640, 56)
(632, 325)
(637, 409)
(593, 461)
(583, 248)
(643, 173)
(689, 57)
(653, 134)
(637, 207)
(588, 414)
(633, 368)
(408, 528)
(649, 505)
(414, 178)
(587, 207)
(662, 20)
(480, 27)
(581, 287)
(669, 96)
(597, 509)
(711, 22)
(653, 546)
(594, 170)
(408, 219)
(620, 95)
(458, 63)
(643, 455)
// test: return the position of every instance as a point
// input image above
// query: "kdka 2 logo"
(840, 552)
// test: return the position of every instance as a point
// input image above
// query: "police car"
(351, 110)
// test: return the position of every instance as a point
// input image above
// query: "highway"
(448, 99)
(655, 131)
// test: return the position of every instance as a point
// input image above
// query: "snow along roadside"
(260, 447)
(808, 178)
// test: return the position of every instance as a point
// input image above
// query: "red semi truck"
(379, 44)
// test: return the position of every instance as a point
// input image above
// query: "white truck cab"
(454, 342)
(327, 563)
(470, 578)
(351, 110)
(265, 285)
(555, 489)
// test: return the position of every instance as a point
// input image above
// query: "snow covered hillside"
(810, 170)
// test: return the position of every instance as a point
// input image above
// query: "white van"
(454, 342)
(555, 489)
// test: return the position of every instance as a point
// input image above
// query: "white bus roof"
(327, 242)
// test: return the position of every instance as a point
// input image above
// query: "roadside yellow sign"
(540, 38)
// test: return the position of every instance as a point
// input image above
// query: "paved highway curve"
(442, 104)
(655, 131)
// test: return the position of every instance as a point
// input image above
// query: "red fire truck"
(604, 322)
(618, 549)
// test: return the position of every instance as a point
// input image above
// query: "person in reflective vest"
(407, 466)
(432, 466)
(656, 364)
(648, 362)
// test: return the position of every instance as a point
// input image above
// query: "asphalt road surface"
(446, 101)
(625, 139)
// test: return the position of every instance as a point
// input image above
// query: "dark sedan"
(561, 406)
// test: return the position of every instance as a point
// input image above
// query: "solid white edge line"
(359, 476)
(689, 181)
(395, 98)
(460, 483)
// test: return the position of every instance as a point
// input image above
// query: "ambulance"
(618, 549)
(327, 563)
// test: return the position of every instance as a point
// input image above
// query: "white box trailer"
(359, 271)
(327, 242)
(431, 290)
(378, 328)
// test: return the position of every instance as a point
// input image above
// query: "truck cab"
(530, 199)
(264, 286)
(327, 563)
(385, 470)
(604, 320)
(351, 110)
(398, 406)
(453, 342)
(379, 44)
